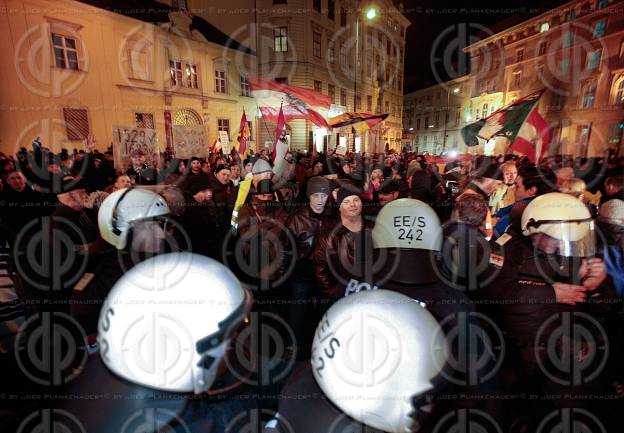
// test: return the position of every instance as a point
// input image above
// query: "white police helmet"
(376, 353)
(124, 208)
(409, 224)
(167, 323)
(563, 218)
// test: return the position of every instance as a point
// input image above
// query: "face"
(148, 237)
(318, 201)
(351, 207)
(97, 163)
(249, 167)
(203, 196)
(346, 168)
(181, 166)
(545, 243)
(509, 174)
(123, 182)
(206, 167)
(223, 176)
(138, 160)
(376, 174)
(565, 173)
(195, 166)
(79, 195)
(264, 197)
(387, 198)
(520, 191)
(235, 170)
(17, 181)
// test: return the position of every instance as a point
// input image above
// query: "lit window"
(589, 94)
(619, 95)
(65, 52)
(316, 44)
(593, 59)
(616, 131)
(600, 28)
(220, 80)
(544, 27)
(331, 52)
(245, 91)
(175, 71)
(280, 39)
(223, 125)
(484, 110)
(191, 76)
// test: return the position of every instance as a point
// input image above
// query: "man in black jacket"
(306, 224)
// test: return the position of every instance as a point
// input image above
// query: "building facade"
(333, 46)
(433, 117)
(77, 69)
(576, 53)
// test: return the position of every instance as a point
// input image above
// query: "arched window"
(187, 117)
(619, 92)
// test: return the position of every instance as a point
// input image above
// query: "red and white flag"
(294, 102)
(533, 138)
(280, 146)
(243, 135)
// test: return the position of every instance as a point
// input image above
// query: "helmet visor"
(575, 238)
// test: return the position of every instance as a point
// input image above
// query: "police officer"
(552, 277)
(136, 222)
(168, 336)
(351, 387)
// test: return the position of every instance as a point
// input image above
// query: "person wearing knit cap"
(341, 253)
(260, 167)
(306, 224)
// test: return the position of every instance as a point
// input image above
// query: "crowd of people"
(514, 249)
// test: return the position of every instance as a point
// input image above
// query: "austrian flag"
(519, 122)
(295, 102)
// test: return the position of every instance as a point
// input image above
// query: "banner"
(126, 139)
(224, 139)
(189, 141)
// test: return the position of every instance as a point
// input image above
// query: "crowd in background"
(304, 215)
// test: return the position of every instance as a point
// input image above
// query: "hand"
(89, 143)
(592, 272)
(570, 293)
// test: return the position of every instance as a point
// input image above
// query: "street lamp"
(370, 14)
(456, 91)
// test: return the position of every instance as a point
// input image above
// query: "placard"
(224, 139)
(190, 141)
(126, 139)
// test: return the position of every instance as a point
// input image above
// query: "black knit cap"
(346, 190)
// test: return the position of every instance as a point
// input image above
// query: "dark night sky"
(437, 28)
